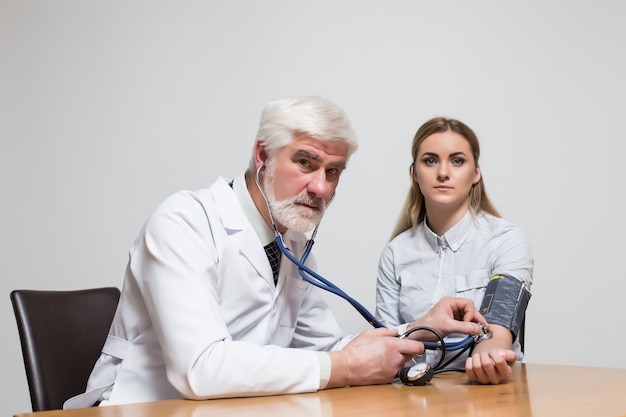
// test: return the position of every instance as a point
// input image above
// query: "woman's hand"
(493, 359)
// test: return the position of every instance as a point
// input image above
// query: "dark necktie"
(271, 250)
(273, 255)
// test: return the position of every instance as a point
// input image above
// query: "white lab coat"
(199, 315)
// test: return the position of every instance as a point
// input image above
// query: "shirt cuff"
(402, 328)
(324, 359)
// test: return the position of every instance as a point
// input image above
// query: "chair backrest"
(522, 331)
(62, 334)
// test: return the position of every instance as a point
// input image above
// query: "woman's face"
(445, 171)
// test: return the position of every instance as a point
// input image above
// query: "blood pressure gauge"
(419, 374)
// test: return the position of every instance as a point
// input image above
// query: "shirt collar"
(453, 238)
(265, 233)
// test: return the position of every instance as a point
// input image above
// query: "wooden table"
(535, 390)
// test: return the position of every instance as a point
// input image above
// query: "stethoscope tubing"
(319, 281)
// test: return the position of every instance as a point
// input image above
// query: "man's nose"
(319, 186)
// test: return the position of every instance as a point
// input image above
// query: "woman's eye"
(429, 162)
(458, 162)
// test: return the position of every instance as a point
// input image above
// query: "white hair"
(315, 116)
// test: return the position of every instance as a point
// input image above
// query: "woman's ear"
(477, 176)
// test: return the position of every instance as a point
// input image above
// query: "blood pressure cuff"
(505, 302)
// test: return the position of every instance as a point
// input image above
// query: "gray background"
(108, 107)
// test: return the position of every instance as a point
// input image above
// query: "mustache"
(310, 201)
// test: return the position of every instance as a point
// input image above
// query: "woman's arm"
(492, 359)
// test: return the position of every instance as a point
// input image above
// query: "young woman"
(449, 241)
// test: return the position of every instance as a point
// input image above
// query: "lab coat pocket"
(472, 285)
(295, 291)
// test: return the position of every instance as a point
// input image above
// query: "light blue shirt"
(417, 268)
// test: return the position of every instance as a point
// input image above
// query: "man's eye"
(304, 163)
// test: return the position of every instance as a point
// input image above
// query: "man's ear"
(260, 155)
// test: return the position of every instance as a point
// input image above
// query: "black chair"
(62, 334)
(522, 335)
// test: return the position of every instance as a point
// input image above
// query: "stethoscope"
(420, 372)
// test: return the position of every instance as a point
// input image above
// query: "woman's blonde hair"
(414, 209)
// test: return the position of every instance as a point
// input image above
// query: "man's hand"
(451, 315)
(373, 357)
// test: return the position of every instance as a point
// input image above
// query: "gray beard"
(287, 212)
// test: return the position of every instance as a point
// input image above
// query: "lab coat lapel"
(240, 232)
(251, 249)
